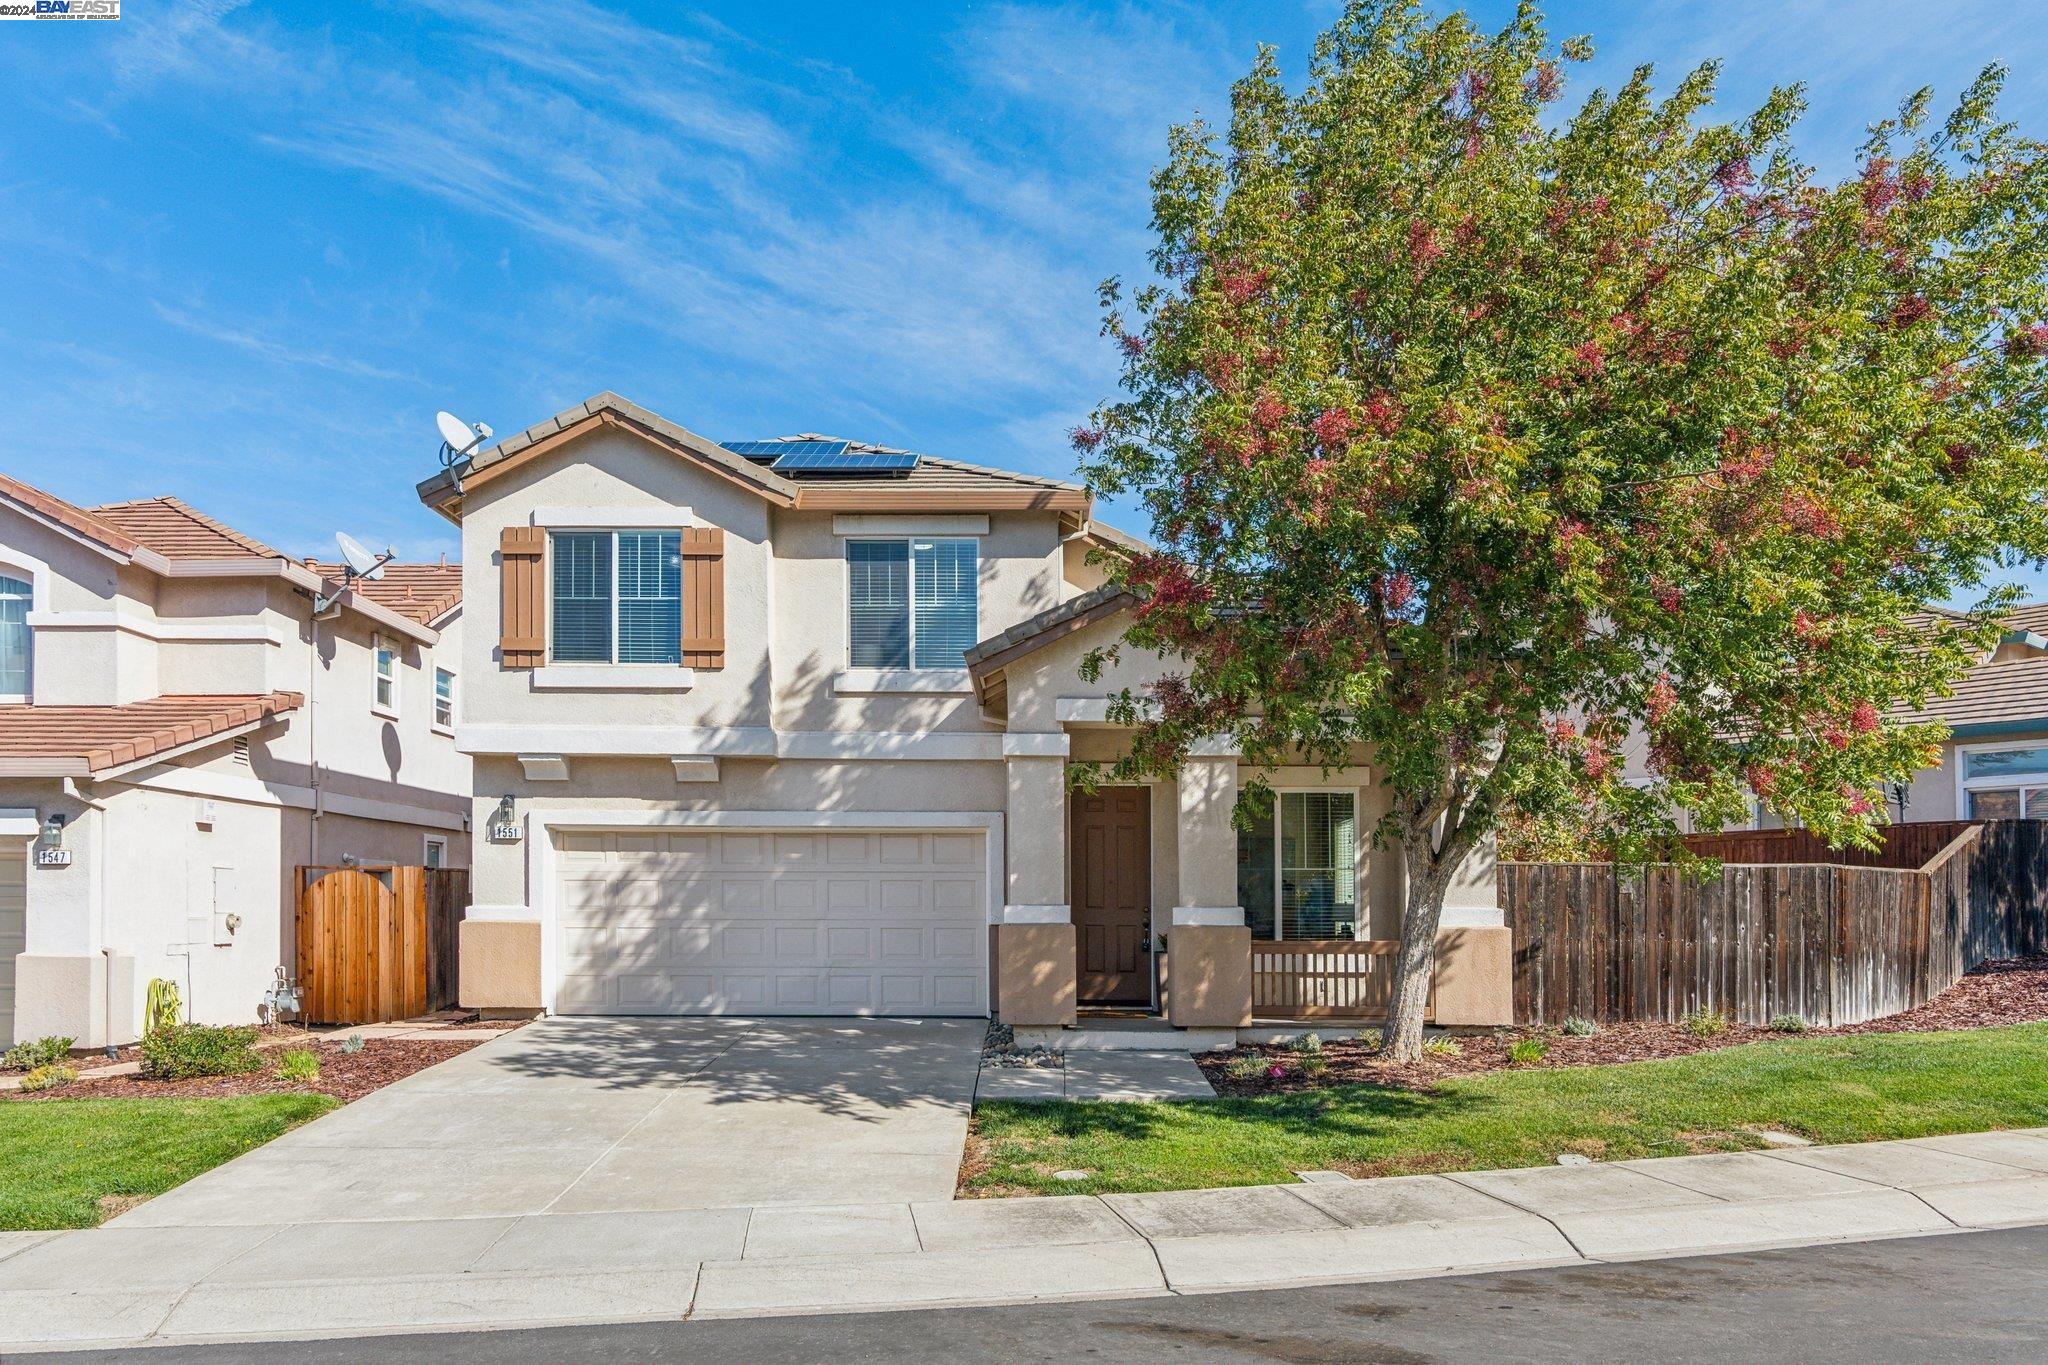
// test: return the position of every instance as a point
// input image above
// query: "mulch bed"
(342, 1075)
(1993, 995)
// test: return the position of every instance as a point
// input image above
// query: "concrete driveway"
(607, 1116)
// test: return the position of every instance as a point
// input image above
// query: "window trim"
(1959, 755)
(890, 679)
(37, 585)
(427, 842)
(638, 527)
(440, 726)
(1361, 909)
(378, 648)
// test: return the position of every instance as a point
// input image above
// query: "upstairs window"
(14, 639)
(1999, 784)
(384, 694)
(617, 597)
(912, 603)
(444, 699)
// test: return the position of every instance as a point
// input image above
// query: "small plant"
(1705, 1023)
(1575, 1027)
(1527, 1051)
(1309, 1045)
(186, 1050)
(299, 1064)
(1314, 1064)
(1444, 1047)
(161, 1007)
(1246, 1066)
(351, 1045)
(27, 1056)
(49, 1077)
(1788, 1023)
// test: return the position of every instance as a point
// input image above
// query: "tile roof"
(2002, 693)
(421, 593)
(80, 740)
(68, 515)
(176, 530)
(936, 482)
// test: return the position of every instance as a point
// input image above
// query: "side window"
(384, 695)
(912, 603)
(15, 639)
(444, 699)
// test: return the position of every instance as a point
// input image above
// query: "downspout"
(96, 909)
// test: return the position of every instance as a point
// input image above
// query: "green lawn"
(59, 1158)
(1840, 1089)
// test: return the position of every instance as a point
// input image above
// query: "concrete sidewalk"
(161, 1284)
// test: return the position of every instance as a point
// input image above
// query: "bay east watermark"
(60, 9)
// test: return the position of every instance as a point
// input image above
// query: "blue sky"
(247, 249)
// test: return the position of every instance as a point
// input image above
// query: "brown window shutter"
(522, 557)
(703, 597)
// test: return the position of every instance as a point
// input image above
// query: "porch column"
(1208, 947)
(1035, 941)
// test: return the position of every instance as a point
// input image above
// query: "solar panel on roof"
(759, 450)
(844, 461)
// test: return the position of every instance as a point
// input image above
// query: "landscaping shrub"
(171, 1054)
(27, 1055)
(1314, 1064)
(1444, 1047)
(351, 1045)
(1579, 1028)
(1245, 1066)
(49, 1077)
(1706, 1023)
(1787, 1023)
(299, 1064)
(1527, 1051)
(1309, 1045)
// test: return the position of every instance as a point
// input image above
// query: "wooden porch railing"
(1333, 978)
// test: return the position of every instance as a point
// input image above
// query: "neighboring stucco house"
(178, 734)
(1994, 764)
(785, 727)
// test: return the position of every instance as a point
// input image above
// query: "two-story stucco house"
(784, 727)
(179, 732)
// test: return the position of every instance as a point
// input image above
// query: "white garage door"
(760, 922)
(13, 927)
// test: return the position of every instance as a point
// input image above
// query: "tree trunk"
(1401, 1038)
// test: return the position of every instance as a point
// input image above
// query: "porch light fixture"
(50, 850)
(504, 825)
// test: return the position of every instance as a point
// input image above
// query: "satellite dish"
(361, 562)
(454, 431)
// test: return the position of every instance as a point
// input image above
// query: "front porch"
(1174, 928)
(1149, 899)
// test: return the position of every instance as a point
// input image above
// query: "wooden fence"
(1832, 943)
(377, 943)
(1906, 846)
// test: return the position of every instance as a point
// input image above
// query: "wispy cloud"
(267, 348)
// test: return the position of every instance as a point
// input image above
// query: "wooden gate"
(377, 942)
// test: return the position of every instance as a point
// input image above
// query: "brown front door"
(1109, 855)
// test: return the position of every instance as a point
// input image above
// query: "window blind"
(581, 600)
(878, 594)
(1318, 865)
(650, 597)
(945, 573)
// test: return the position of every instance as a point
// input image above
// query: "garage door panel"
(13, 927)
(793, 922)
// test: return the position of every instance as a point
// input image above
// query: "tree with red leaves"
(1478, 437)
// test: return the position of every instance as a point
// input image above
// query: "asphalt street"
(1973, 1296)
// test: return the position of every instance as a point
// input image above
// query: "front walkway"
(212, 1266)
